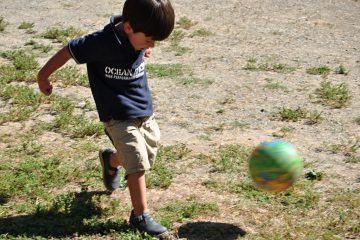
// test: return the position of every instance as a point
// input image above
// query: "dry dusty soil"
(238, 90)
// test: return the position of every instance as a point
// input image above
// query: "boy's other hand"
(148, 52)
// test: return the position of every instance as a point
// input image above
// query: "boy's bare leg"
(137, 187)
(140, 217)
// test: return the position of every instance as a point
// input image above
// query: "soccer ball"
(275, 166)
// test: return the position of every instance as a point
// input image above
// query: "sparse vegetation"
(28, 27)
(24, 101)
(3, 24)
(212, 111)
(163, 173)
(357, 120)
(273, 85)
(181, 211)
(322, 70)
(352, 159)
(71, 76)
(253, 65)
(21, 59)
(295, 115)
(336, 96)
(22, 67)
(350, 149)
(186, 23)
(67, 122)
(232, 158)
(39, 46)
(165, 70)
(62, 35)
(202, 32)
(191, 80)
(175, 39)
(341, 70)
(292, 115)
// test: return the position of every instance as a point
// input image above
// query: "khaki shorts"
(136, 142)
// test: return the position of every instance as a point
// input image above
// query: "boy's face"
(138, 40)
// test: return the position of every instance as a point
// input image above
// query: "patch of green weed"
(27, 147)
(202, 32)
(295, 115)
(21, 95)
(357, 120)
(322, 70)
(292, 115)
(16, 115)
(352, 159)
(232, 158)
(191, 80)
(314, 118)
(28, 27)
(21, 59)
(62, 35)
(178, 50)
(33, 177)
(67, 122)
(341, 70)
(24, 102)
(3, 24)
(71, 76)
(227, 100)
(181, 211)
(39, 46)
(176, 37)
(162, 172)
(175, 40)
(336, 96)
(83, 127)
(349, 149)
(253, 65)
(273, 85)
(8, 74)
(165, 70)
(186, 23)
(282, 68)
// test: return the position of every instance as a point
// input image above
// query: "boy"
(115, 66)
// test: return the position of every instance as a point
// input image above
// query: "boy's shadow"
(210, 231)
(64, 219)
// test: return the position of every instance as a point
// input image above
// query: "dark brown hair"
(155, 18)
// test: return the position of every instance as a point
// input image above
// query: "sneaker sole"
(161, 236)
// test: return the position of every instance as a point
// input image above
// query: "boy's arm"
(54, 63)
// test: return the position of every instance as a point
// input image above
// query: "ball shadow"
(210, 231)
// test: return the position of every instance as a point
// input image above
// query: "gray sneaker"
(112, 181)
(146, 224)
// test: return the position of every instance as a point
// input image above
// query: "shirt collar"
(115, 22)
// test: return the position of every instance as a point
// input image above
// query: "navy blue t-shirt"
(116, 73)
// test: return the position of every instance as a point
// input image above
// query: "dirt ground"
(302, 34)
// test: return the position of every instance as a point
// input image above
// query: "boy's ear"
(127, 28)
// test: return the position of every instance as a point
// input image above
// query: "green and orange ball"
(275, 166)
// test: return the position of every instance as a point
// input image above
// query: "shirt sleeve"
(93, 47)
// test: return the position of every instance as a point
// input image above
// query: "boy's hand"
(148, 52)
(44, 86)
(54, 63)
